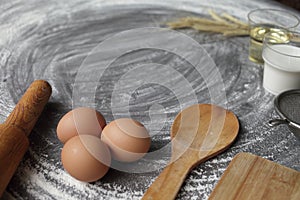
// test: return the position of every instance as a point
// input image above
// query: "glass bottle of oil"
(257, 33)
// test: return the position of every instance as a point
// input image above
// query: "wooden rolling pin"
(15, 130)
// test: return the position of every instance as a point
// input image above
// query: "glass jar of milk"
(281, 63)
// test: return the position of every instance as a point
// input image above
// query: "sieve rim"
(277, 107)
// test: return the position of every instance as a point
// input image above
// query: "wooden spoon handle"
(30, 106)
(168, 183)
(13, 133)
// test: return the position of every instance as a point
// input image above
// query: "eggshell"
(86, 158)
(127, 139)
(80, 121)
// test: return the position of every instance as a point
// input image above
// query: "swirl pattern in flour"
(50, 40)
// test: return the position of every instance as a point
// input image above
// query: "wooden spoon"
(15, 130)
(198, 133)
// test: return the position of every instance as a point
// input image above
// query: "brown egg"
(78, 122)
(127, 139)
(86, 158)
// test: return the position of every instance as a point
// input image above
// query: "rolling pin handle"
(18, 125)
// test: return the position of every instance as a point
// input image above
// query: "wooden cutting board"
(252, 177)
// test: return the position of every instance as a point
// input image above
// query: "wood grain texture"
(198, 133)
(252, 177)
(30, 106)
(14, 131)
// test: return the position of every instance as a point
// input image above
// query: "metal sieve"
(287, 105)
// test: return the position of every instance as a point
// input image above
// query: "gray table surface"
(50, 40)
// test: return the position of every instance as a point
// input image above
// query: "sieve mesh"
(288, 104)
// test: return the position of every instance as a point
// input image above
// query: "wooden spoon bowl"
(198, 133)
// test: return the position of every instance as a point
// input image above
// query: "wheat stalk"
(224, 23)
